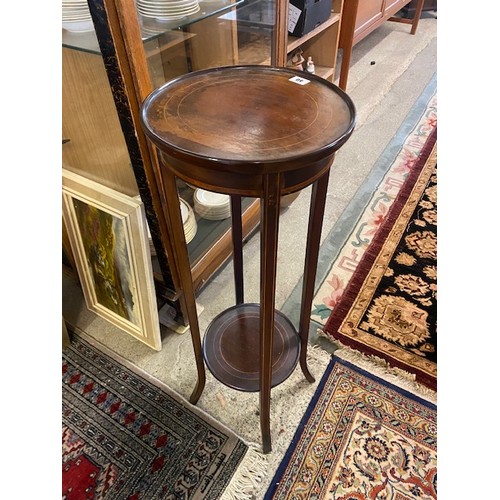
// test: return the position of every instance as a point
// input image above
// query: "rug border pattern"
(339, 235)
(425, 371)
(377, 203)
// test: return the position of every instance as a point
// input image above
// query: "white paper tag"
(299, 80)
(293, 17)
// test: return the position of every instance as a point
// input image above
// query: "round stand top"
(277, 118)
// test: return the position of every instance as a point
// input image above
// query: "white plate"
(74, 6)
(170, 17)
(202, 209)
(75, 19)
(165, 5)
(212, 213)
(168, 8)
(191, 10)
(189, 235)
(173, 12)
(184, 210)
(210, 199)
(147, 13)
(75, 10)
(215, 217)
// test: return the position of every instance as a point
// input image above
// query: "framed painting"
(107, 231)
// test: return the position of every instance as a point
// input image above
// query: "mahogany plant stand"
(262, 132)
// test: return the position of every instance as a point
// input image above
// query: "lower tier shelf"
(231, 347)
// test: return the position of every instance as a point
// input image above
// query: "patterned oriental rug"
(344, 247)
(362, 438)
(125, 437)
(388, 308)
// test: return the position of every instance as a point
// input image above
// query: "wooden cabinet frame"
(123, 55)
(361, 17)
(125, 59)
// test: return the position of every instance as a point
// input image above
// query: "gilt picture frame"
(107, 231)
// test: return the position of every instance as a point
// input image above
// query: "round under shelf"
(231, 347)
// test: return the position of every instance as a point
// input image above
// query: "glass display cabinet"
(116, 53)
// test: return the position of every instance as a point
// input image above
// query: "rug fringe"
(248, 476)
(381, 368)
(317, 353)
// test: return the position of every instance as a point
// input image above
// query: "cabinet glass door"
(178, 37)
(105, 239)
(93, 142)
(218, 33)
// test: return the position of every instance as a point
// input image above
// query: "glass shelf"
(255, 16)
(150, 28)
(208, 231)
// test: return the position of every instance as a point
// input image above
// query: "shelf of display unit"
(170, 40)
(321, 43)
(295, 42)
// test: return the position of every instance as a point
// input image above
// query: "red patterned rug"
(389, 308)
(125, 437)
(362, 438)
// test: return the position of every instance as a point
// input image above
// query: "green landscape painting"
(105, 245)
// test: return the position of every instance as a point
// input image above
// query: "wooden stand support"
(260, 132)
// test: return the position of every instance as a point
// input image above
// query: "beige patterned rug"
(361, 438)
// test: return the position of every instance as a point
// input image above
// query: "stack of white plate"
(212, 206)
(166, 10)
(188, 220)
(76, 16)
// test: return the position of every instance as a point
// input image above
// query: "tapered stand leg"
(237, 235)
(318, 199)
(270, 206)
(173, 212)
